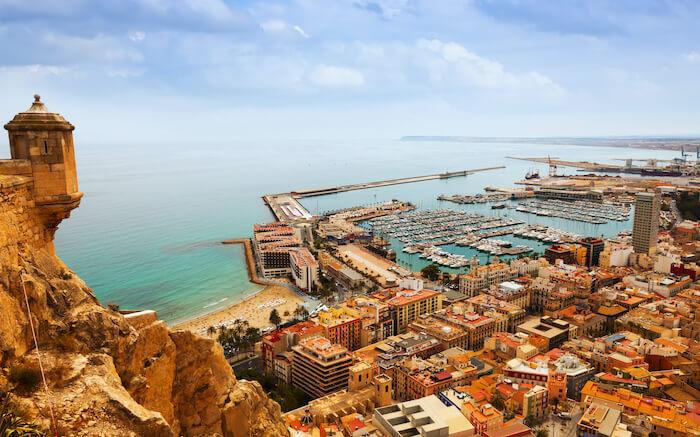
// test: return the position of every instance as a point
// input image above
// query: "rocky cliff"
(108, 375)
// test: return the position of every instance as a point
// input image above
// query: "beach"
(255, 309)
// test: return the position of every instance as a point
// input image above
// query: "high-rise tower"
(41, 144)
(646, 222)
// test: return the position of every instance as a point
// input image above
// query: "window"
(46, 147)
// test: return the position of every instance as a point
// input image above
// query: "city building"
(513, 292)
(484, 303)
(516, 429)
(320, 367)
(594, 247)
(526, 372)
(408, 302)
(428, 417)
(386, 353)
(340, 272)
(416, 377)
(553, 331)
(377, 321)
(535, 401)
(304, 268)
(599, 420)
(483, 277)
(477, 326)
(341, 325)
(507, 346)
(616, 253)
(577, 374)
(272, 243)
(282, 340)
(645, 229)
(663, 417)
(569, 193)
(566, 253)
(279, 253)
(556, 385)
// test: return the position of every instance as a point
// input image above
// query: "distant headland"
(689, 143)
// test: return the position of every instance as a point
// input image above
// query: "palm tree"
(211, 330)
(275, 318)
(11, 424)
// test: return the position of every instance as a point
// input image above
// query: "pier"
(582, 165)
(286, 208)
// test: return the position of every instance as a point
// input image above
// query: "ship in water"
(532, 174)
(660, 172)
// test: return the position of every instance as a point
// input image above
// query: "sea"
(148, 231)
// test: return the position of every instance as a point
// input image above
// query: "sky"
(213, 70)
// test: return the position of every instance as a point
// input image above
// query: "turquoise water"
(147, 232)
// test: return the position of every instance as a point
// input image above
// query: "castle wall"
(19, 223)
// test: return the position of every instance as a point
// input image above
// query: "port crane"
(652, 162)
(552, 167)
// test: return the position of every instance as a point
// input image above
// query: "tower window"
(46, 148)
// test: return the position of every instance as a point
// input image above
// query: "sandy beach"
(255, 309)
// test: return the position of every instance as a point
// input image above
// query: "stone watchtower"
(41, 146)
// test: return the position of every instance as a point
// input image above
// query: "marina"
(423, 232)
(580, 210)
(435, 227)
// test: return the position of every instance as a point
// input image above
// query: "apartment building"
(320, 367)
(483, 277)
(408, 302)
(341, 325)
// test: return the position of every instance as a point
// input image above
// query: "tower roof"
(38, 117)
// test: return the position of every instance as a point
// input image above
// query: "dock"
(286, 207)
(582, 165)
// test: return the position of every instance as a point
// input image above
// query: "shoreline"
(254, 308)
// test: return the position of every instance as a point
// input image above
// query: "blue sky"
(210, 70)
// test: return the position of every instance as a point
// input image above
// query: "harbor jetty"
(286, 207)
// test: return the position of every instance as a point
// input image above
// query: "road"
(563, 428)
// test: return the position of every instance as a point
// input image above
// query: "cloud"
(692, 57)
(137, 35)
(335, 77)
(451, 64)
(276, 26)
(301, 31)
(386, 9)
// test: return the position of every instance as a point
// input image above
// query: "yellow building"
(341, 325)
(406, 305)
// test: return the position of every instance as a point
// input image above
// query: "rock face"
(108, 375)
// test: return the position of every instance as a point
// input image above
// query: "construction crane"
(552, 167)
(650, 162)
(684, 155)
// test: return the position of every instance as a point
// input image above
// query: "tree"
(11, 424)
(211, 330)
(530, 421)
(301, 313)
(275, 318)
(555, 404)
(431, 272)
(542, 433)
(498, 402)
